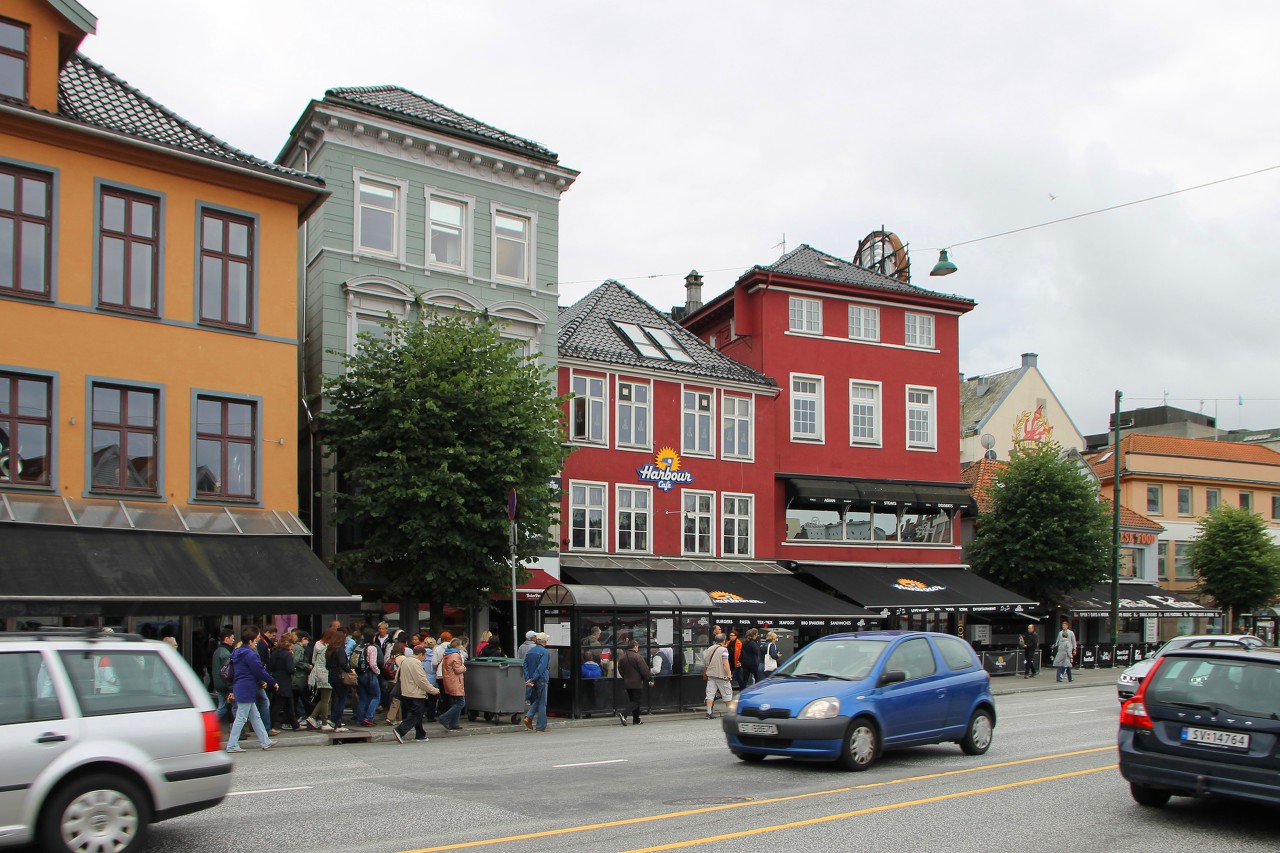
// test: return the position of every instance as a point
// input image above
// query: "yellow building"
(149, 355)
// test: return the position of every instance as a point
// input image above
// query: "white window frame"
(399, 227)
(702, 419)
(1191, 496)
(619, 511)
(584, 401)
(646, 407)
(876, 403)
(531, 249)
(804, 315)
(726, 517)
(690, 513)
(930, 408)
(918, 330)
(732, 412)
(865, 315)
(468, 203)
(603, 509)
(373, 299)
(819, 412)
(1159, 493)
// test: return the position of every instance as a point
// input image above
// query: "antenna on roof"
(783, 243)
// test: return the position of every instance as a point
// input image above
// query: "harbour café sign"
(664, 472)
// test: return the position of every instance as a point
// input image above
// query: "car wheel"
(1153, 797)
(861, 743)
(99, 812)
(749, 756)
(977, 735)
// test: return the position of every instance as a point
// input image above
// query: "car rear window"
(1251, 688)
(28, 694)
(123, 682)
(957, 653)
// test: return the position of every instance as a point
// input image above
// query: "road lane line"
(870, 810)
(568, 830)
(591, 763)
(1085, 711)
(269, 790)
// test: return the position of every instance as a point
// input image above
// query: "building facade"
(1009, 409)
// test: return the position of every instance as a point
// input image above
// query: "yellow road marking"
(549, 833)
(870, 810)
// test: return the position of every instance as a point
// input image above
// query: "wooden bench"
(353, 736)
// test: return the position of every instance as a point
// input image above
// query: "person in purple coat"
(248, 675)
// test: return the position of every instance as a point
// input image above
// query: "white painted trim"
(751, 423)
(604, 516)
(468, 203)
(531, 248)
(401, 224)
(879, 421)
(933, 418)
(697, 388)
(617, 511)
(821, 413)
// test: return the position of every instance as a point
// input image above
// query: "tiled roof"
(980, 475)
(92, 95)
(980, 394)
(808, 262)
(587, 333)
(1131, 518)
(1190, 448)
(414, 108)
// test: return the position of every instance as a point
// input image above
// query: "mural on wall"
(1031, 428)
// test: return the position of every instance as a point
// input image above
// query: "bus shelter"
(589, 628)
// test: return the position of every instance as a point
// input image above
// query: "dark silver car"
(101, 735)
(1127, 683)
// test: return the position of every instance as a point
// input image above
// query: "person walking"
(1030, 645)
(281, 665)
(222, 686)
(527, 644)
(432, 703)
(750, 658)
(635, 673)
(1064, 650)
(735, 657)
(453, 672)
(536, 667)
(301, 673)
(338, 662)
(411, 678)
(397, 706)
(770, 653)
(248, 677)
(364, 660)
(718, 673)
(318, 680)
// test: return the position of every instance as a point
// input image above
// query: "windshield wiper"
(1196, 706)
(823, 675)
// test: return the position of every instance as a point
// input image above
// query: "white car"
(1127, 683)
(101, 735)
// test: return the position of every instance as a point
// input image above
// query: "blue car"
(848, 697)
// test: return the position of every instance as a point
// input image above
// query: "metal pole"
(515, 632)
(1115, 531)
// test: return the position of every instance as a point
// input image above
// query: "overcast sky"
(705, 131)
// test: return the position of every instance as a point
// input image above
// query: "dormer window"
(652, 342)
(14, 58)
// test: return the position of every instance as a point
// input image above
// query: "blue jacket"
(536, 663)
(249, 673)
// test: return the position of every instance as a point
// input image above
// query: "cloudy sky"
(706, 131)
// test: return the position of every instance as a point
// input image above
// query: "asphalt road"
(1048, 784)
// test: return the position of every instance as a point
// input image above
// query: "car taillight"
(1134, 711)
(212, 732)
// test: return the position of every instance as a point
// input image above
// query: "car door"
(33, 730)
(962, 677)
(913, 709)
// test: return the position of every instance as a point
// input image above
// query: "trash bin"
(495, 688)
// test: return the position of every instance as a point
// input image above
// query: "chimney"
(1029, 359)
(693, 292)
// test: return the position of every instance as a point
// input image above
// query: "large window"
(586, 516)
(1184, 500)
(1212, 497)
(587, 409)
(918, 330)
(226, 448)
(377, 216)
(921, 423)
(226, 269)
(14, 58)
(128, 251)
(633, 519)
(125, 438)
(512, 238)
(1155, 496)
(26, 231)
(633, 415)
(804, 315)
(864, 323)
(864, 412)
(1182, 562)
(806, 408)
(699, 523)
(735, 521)
(910, 525)
(698, 420)
(448, 238)
(26, 429)
(736, 427)
(1246, 501)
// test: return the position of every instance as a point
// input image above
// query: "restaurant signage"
(664, 471)
(1128, 537)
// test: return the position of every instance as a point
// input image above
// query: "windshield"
(852, 659)
(1242, 687)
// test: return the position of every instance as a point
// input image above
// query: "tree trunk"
(409, 616)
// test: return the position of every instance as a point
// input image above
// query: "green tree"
(1045, 534)
(1235, 560)
(428, 429)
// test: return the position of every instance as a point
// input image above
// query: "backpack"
(227, 672)
(360, 658)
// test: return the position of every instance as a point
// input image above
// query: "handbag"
(349, 678)
(770, 658)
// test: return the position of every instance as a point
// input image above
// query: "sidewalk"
(1003, 685)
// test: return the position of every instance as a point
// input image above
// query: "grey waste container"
(495, 688)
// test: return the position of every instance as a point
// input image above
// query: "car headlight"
(820, 709)
(731, 706)
(1126, 678)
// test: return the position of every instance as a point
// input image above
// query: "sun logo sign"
(664, 471)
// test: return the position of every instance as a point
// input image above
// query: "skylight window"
(674, 351)
(654, 343)
(640, 340)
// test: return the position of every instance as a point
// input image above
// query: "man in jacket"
(750, 659)
(527, 644)
(221, 686)
(251, 678)
(718, 672)
(1030, 644)
(452, 673)
(735, 658)
(536, 666)
(414, 689)
(635, 672)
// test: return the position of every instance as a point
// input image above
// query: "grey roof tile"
(587, 333)
(979, 395)
(425, 112)
(809, 262)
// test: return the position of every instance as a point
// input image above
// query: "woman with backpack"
(364, 660)
(319, 679)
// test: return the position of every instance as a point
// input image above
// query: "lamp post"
(1115, 529)
(515, 566)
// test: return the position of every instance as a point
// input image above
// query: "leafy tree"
(428, 429)
(1235, 560)
(1046, 534)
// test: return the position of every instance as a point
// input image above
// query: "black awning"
(860, 494)
(1136, 600)
(64, 570)
(915, 589)
(772, 596)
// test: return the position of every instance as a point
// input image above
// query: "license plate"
(1209, 737)
(757, 729)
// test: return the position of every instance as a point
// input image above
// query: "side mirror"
(891, 676)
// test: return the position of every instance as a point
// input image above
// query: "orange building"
(149, 356)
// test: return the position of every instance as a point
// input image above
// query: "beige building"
(1001, 410)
